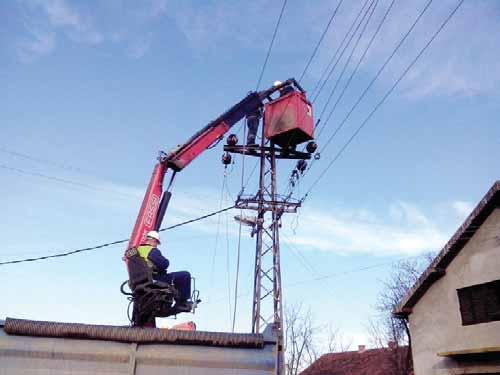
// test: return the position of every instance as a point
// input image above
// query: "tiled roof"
(438, 266)
(370, 362)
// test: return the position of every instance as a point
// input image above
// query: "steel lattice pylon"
(267, 273)
(267, 292)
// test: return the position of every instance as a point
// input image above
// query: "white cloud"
(129, 26)
(462, 208)
(158, 7)
(140, 47)
(405, 229)
(38, 45)
(60, 14)
(76, 24)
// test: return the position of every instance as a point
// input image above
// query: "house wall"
(436, 324)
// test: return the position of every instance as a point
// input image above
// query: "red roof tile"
(370, 362)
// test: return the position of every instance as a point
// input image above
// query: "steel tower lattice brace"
(267, 273)
(267, 304)
(267, 295)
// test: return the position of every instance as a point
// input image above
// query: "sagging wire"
(388, 93)
(320, 40)
(374, 79)
(271, 44)
(59, 255)
(228, 270)
(217, 232)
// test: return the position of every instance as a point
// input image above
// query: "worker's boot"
(251, 140)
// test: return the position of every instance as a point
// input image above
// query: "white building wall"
(436, 324)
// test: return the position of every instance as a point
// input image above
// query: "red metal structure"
(155, 201)
(289, 120)
(152, 298)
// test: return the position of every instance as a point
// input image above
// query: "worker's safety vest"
(144, 251)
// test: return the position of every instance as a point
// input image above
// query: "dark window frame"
(479, 303)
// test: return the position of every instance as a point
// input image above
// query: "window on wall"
(480, 303)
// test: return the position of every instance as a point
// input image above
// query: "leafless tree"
(387, 330)
(335, 340)
(305, 341)
(300, 349)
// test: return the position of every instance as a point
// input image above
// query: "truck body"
(35, 347)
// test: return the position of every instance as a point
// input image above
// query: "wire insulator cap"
(311, 147)
(226, 159)
(232, 140)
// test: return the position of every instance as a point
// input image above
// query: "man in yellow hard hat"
(158, 264)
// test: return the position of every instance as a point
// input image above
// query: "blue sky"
(92, 90)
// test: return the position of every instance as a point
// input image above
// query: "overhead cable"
(384, 98)
(228, 272)
(369, 12)
(63, 180)
(346, 64)
(377, 75)
(355, 70)
(43, 161)
(328, 71)
(327, 27)
(271, 45)
(374, 79)
(114, 242)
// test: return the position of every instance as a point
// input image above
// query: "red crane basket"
(288, 120)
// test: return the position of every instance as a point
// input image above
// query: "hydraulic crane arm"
(155, 201)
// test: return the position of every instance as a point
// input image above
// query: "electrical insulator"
(311, 147)
(226, 159)
(301, 166)
(232, 140)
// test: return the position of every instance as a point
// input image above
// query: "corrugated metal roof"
(21, 354)
(126, 334)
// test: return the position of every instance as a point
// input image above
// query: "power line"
(355, 270)
(43, 161)
(445, 22)
(346, 64)
(320, 40)
(299, 256)
(114, 242)
(332, 275)
(372, 7)
(264, 67)
(271, 45)
(228, 271)
(322, 80)
(217, 232)
(353, 73)
(367, 11)
(365, 91)
(62, 180)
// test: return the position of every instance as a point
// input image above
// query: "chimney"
(361, 348)
(392, 345)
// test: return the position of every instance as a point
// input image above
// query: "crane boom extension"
(155, 200)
